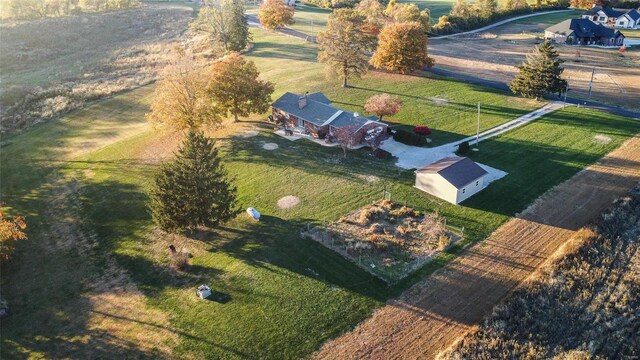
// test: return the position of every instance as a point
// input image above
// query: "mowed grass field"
(447, 106)
(279, 295)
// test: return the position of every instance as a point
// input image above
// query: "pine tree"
(192, 190)
(540, 73)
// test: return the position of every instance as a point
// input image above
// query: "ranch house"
(583, 32)
(314, 115)
(453, 179)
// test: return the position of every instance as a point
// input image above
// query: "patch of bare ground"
(111, 313)
(432, 314)
(494, 55)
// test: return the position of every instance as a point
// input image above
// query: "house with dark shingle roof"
(619, 18)
(603, 14)
(314, 114)
(453, 179)
(583, 32)
(630, 20)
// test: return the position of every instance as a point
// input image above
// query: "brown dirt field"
(494, 55)
(432, 314)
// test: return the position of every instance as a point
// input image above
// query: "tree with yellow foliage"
(402, 47)
(275, 13)
(11, 230)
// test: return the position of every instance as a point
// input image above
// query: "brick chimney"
(302, 101)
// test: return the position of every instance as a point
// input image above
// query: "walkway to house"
(413, 157)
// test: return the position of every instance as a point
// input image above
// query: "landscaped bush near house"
(463, 148)
(409, 138)
(422, 130)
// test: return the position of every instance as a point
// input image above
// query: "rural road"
(498, 23)
(434, 313)
(253, 20)
(504, 86)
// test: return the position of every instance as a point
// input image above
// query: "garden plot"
(388, 240)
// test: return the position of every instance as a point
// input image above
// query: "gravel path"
(434, 313)
(413, 157)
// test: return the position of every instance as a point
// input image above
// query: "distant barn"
(453, 179)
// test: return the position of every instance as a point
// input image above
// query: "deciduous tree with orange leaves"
(275, 13)
(11, 230)
(402, 47)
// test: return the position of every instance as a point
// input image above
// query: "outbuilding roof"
(458, 171)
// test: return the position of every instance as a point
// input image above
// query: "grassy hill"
(93, 280)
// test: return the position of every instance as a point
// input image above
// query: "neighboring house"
(603, 15)
(619, 18)
(630, 20)
(583, 32)
(453, 179)
(313, 114)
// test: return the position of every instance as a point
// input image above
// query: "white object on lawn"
(253, 213)
(203, 291)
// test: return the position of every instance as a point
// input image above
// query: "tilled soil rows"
(432, 314)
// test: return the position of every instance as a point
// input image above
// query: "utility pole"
(566, 90)
(478, 128)
(591, 82)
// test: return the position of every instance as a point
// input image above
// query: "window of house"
(601, 18)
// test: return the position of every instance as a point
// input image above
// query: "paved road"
(504, 86)
(253, 21)
(496, 24)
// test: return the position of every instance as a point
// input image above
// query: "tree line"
(621, 4)
(37, 9)
(466, 16)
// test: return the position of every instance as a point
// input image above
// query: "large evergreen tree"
(192, 190)
(540, 73)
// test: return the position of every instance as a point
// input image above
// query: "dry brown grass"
(581, 305)
(496, 54)
(52, 66)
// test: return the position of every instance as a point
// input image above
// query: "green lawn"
(445, 105)
(285, 294)
(550, 19)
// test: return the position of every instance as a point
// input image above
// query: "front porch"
(301, 135)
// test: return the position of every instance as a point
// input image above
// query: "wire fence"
(358, 251)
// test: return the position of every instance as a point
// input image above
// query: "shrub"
(321, 134)
(180, 261)
(370, 214)
(464, 148)
(443, 242)
(375, 228)
(422, 130)
(409, 138)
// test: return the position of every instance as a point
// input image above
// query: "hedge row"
(409, 138)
